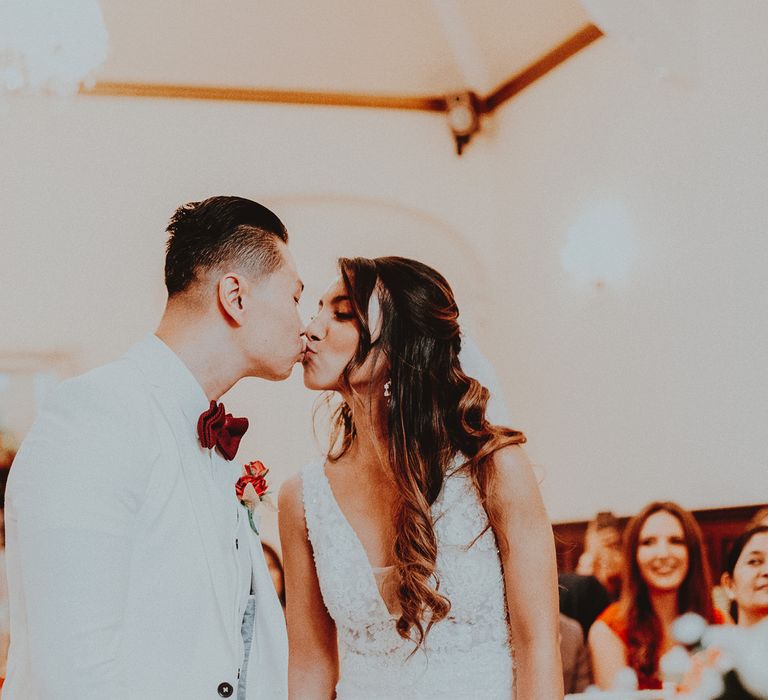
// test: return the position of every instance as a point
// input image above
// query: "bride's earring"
(388, 388)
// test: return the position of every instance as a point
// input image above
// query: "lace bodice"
(466, 655)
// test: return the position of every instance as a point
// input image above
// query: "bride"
(419, 558)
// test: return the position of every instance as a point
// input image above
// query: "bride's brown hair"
(434, 412)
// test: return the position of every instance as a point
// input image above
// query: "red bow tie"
(216, 428)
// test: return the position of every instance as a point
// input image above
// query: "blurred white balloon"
(689, 628)
(711, 685)
(675, 664)
(747, 649)
(752, 664)
(625, 680)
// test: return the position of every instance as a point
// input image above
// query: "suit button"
(225, 690)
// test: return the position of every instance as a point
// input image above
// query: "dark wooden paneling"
(720, 527)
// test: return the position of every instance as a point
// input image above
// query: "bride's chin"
(309, 380)
(313, 384)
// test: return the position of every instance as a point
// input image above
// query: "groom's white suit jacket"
(125, 548)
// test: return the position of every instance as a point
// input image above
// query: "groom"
(133, 570)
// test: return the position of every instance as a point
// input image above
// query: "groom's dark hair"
(221, 231)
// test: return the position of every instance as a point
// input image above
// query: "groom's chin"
(287, 373)
(279, 374)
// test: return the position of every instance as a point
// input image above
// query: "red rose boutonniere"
(252, 488)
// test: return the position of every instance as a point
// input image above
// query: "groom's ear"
(231, 289)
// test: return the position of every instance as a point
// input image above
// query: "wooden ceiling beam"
(561, 53)
(429, 103)
(235, 94)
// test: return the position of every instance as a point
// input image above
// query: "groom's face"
(274, 328)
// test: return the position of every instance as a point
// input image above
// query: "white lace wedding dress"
(467, 655)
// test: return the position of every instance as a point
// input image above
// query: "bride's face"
(332, 338)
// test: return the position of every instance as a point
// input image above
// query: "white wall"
(653, 386)
(656, 385)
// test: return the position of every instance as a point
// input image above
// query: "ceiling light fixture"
(463, 112)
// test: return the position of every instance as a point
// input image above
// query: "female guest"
(665, 575)
(602, 553)
(417, 553)
(746, 576)
(745, 582)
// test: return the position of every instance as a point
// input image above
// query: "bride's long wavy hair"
(434, 412)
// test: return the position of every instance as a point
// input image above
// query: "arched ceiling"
(397, 47)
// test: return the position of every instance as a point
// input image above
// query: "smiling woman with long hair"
(665, 575)
(418, 554)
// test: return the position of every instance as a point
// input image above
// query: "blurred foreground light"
(50, 46)
(689, 628)
(747, 650)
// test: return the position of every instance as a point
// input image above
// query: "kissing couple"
(418, 555)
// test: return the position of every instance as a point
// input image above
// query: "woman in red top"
(665, 575)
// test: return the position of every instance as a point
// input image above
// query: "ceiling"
(398, 47)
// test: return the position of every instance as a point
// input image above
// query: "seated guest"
(665, 575)
(723, 599)
(577, 673)
(582, 598)
(602, 557)
(746, 576)
(745, 581)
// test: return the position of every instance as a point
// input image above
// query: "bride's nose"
(313, 331)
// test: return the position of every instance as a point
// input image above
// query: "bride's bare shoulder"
(511, 458)
(515, 482)
(289, 500)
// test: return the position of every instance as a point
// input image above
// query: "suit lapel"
(195, 467)
(176, 391)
